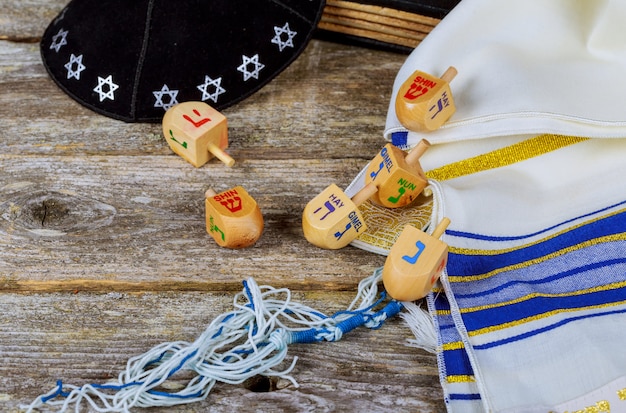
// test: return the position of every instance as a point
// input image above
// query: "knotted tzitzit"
(250, 340)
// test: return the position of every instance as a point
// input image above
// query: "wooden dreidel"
(399, 178)
(233, 218)
(424, 102)
(197, 132)
(415, 262)
(332, 220)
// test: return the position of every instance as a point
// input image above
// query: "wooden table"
(103, 246)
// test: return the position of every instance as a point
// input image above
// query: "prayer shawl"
(530, 313)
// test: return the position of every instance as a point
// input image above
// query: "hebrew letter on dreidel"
(233, 204)
(413, 259)
(339, 234)
(329, 207)
(374, 174)
(396, 199)
(214, 228)
(199, 123)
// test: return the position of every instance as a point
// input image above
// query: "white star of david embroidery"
(78, 61)
(59, 40)
(243, 68)
(112, 87)
(159, 94)
(217, 88)
(278, 38)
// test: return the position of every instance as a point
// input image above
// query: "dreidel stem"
(364, 194)
(449, 74)
(440, 229)
(412, 158)
(220, 154)
(210, 193)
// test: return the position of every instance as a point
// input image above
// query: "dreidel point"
(332, 220)
(233, 218)
(415, 262)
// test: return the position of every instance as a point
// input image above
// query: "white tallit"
(530, 312)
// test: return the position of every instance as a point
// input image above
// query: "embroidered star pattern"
(160, 94)
(59, 40)
(243, 68)
(78, 61)
(216, 87)
(278, 38)
(111, 87)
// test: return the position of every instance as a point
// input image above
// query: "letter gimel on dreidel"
(398, 176)
(197, 132)
(332, 220)
(233, 218)
(424, 102)
(415, 262)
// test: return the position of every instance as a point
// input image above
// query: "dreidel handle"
(364, 194)
(449, 74)
(441, 228)
(220, 154)
(210, 193)
(412, 158)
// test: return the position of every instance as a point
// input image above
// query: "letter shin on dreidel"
(398, 176)
(424, 102)
(233, 218)
(332, 220)
(197, 132)
(415, 262)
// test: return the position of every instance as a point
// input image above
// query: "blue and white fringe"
(250, 340)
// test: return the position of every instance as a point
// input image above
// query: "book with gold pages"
(398, 25)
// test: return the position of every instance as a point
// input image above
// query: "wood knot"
(260, 384)
(45, 213)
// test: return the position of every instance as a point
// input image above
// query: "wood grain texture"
(103, 246)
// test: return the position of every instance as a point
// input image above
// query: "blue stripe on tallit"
(544, 329)
(469, 265)
(557, 280)
(485, 237)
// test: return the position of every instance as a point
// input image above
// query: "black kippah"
(134, 59)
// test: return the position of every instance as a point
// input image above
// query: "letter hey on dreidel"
(197, 132)
(398, 176)
(332, 220)
(415, 262)
(425, 102)
(233, 218)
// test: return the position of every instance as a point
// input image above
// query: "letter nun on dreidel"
(233, 218)
(415, 262)
(399, 177)
(332, 220)
(197, 132)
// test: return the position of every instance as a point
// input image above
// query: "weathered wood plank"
(141, 220)
(25, 20)
(84, 338)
